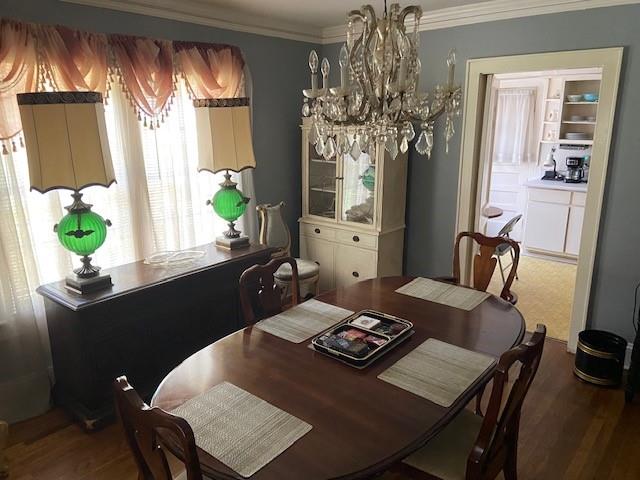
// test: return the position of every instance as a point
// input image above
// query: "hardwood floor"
(570, 430)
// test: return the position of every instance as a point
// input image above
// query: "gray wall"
(277, 69)
(432, 189)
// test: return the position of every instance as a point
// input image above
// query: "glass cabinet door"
(358, 189)
(322, 185)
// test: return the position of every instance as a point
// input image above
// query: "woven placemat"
(437, 371)
(444, 293)
(241, 430)
(303, 321)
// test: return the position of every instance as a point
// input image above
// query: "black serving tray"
(391, 330)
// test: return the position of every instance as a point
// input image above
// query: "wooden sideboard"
(146, 324)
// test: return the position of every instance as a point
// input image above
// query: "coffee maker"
(575, 170)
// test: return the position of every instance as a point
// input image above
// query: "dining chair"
(484, 263)
(261, 295)
(504, 248)
(476, 448)
(275, 233)
(142, 424)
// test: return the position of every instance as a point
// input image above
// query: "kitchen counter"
(556, 185)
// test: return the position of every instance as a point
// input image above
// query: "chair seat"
(306, 269)
(503, 248)
(445, 456)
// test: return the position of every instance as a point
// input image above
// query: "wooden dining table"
(361, 424)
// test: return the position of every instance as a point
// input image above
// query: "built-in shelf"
(321, 160)
(569, 142)
(579, 122)
(581, 103)
(323, 190)
(551, 122)
(552, 99)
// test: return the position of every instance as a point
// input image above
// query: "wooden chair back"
(142, 424)
(484, 262)
(260, 296)
(496, 446)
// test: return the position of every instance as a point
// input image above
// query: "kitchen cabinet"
(574, 230)
(554, 221)
(353, 213)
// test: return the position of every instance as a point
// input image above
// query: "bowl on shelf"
(590, 97)
(591, 119)
(574, 98)
(577, 118)
(577, 136)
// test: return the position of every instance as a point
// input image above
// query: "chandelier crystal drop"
(378, 95)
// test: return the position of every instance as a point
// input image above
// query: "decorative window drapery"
(43, 57)
(210, 71)
(514, 136)
(18, 73)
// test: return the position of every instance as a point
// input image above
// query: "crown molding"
(487, 12)
(195, 12)
(192, 11)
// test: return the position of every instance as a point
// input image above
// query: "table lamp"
(67, 148)
(224, 143)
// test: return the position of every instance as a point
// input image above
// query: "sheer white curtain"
(514, 136)
(159, 203)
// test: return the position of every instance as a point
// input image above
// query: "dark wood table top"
(361, 424)
(138, 275)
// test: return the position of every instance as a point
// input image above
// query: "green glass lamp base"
(230, 203)
(82, 232)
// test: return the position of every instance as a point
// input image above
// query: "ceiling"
(319, 13)
(323, 21)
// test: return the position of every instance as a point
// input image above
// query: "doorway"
(530, 75)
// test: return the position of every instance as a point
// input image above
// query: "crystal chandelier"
(378, 93)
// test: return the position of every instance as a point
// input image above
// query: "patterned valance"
(43, 57)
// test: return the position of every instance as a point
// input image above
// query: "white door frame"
(470, 173)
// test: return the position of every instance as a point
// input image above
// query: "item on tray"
(590, 97)
(365, 322)
(352, 334)
(574, 98)
(375, 340)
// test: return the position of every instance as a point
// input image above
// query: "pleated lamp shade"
(66, 139)
(224, 134)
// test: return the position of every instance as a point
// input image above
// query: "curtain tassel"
(145, 121)
(21, 142)
(13, 146)
(157, 123)
(4, 149)
(139, 116)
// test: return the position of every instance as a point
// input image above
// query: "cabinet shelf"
(323, 190)
(321, 160)
(580, 122)
(569, 142)
(581, 103)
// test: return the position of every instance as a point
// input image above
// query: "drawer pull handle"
(356, 238)
(317, 230)
(355, 274)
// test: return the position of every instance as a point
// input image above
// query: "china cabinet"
(353, 212)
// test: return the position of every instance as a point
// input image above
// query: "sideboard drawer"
(317, 231)
(356, 239)
(550, 196)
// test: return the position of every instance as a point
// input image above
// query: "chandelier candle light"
(67, 147)
(225, 143)
(378, 92)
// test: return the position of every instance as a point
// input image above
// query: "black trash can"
(600, 357)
